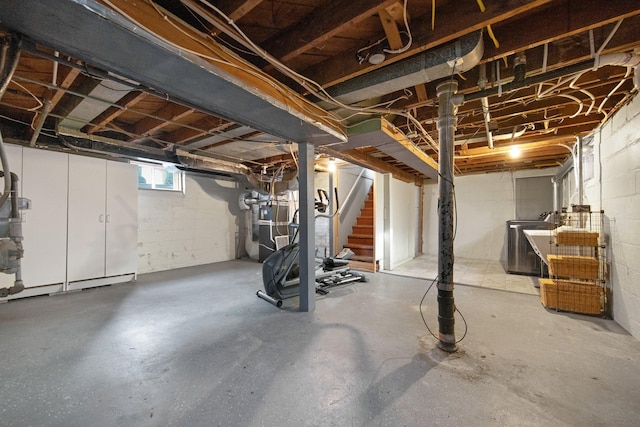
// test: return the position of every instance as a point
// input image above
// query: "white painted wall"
(403, 214)
(202, 226)
(484, 204)
(615, 188)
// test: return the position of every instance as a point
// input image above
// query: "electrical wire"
(40, 103)
(313, 87)
(406, 25)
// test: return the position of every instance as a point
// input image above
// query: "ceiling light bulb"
(515, 152)
(332, 165)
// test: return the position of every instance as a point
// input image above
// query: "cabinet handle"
(108, 218)
(101, 218)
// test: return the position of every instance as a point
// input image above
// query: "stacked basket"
(575, 283)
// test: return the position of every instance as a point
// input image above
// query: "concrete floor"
(195, 347)
(472, 272)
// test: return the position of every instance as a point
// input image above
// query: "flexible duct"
(463, 54)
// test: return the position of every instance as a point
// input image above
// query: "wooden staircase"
(361, 240)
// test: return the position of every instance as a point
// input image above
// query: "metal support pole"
(307, 228)
(446, 129)
(332, 204)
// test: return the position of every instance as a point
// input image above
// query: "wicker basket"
(576, 238)
(570, 295)
(573, 266)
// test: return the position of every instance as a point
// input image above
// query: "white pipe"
(482, 84)
(54, 77)
(629, 60)
(487, 120)
(609, 37)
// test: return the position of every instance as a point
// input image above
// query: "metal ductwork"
(78, 28)
(430, 65)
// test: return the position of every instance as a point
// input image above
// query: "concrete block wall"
(615, 188)
(202, 226)
(322, 225)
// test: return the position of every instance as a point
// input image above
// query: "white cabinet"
(81, 230)
(121, 255)
(102, 222)
(44, 226)
(86, 217)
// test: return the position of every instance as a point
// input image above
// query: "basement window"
(160, 176)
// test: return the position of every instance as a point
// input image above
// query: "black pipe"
(446, 130)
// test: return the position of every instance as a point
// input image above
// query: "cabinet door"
(14, 157)
(44, 226)
(86, 218)
(122, 219)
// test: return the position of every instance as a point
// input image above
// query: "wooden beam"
(70, 101)
(559, 20)
(390, 29)
(236, 9)
(111, 113)
(69, 75)
(161, 118)
(421, 93)
(456, 18)
(322, 24)
(229, 141)
(205, 126)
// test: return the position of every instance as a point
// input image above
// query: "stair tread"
(360, 236)
(358, 245)
(361, 258)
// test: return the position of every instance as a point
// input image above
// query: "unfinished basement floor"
(196, 347)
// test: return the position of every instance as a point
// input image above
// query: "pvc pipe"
(487, 119)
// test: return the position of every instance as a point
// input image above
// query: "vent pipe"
(446, 131)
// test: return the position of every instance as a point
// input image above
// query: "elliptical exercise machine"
(281, 270)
